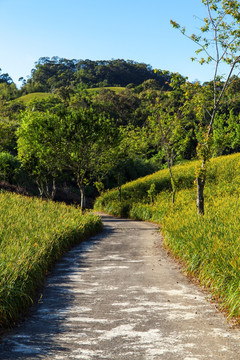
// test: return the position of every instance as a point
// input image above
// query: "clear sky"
(137, 30)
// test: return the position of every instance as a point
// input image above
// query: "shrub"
(9, 167)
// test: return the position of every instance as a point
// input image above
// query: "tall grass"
(33, 235)
(209, 245)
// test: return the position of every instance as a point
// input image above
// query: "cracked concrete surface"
(119, 296)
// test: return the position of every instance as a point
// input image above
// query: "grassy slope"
(209, 245)
(29, 97)
(117, 89)
(33, 235)
(41, 95)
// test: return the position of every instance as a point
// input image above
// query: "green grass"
(117, 89)
(29, 97)
(209, 245)
(42, 95)
(33, 236)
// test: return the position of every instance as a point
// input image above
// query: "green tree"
(218, 42)
(87, 141)
(8, 91)
(226, 136)
(76, 141)
(168, 134)
(169, 130)
(51, 103)
(5, 78)
(50, 74)
(122, 106)
(40, 149)
(132, 143)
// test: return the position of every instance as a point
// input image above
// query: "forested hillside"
(51, 74)
(78, 127)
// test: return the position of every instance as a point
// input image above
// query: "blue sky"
(137, 30)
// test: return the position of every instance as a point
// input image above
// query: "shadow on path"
(37, 336)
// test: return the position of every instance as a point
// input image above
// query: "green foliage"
(39, 148)
(152, 193)
(88, 137)
(50, 74)
(55, 73)
(8, 135)
(78, 141)
(9, 167)
(116, 89)
(8, 91)
(208, 246)
(218, 42)
(99, 186)
(223, 23)
(33, 236)
(115, 73)
(137, 190)
(130, 169)
(50, 103)
(117, 208)
(33, 96)
(125, 159)
(5, 78)
(164, 118)
(121, 106)
(167, 130)
(226, 135)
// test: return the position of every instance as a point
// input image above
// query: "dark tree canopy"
(51, 74)
(5, 78)
(116, 73)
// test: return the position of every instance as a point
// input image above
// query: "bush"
(9, 167)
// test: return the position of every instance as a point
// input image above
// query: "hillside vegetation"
(26, 99)
(208, 245)
(116, 89)
(81, 126)
(29, 97)
(33, 236)
(53, 73)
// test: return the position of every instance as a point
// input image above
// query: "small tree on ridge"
(218, 42)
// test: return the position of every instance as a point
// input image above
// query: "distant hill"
(51, 74)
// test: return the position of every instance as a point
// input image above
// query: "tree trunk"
(200, 196)
(47, 191)
(40, 189)
(82, 197)
(119, 188)
(173, 195)
(120, 193)
(53, 188)
(172, 180)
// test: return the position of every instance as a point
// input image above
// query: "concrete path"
(117, 297)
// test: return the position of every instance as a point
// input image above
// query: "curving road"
(119, 296)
